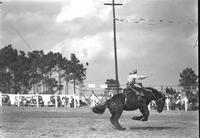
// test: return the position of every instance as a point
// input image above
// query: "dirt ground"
(31, 122)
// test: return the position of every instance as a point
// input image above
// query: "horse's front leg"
(145, 112)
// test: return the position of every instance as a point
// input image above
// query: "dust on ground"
(81, 122)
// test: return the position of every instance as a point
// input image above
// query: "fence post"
(186, 103)
(167, 102)
(68, 102)
(37, 99)
(0, 99)
(74, 97)
(78, 101)
(56, 101)
(92, 100)
(18, 102)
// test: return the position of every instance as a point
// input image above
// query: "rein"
(155, 97)
(160, 98)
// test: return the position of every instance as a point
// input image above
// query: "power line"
(26, 43)
(152, 21)
(19, 34)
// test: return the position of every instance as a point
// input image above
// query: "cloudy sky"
(156, 37)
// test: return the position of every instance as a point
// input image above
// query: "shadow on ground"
(152, 128)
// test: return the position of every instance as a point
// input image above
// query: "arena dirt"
(48, 122)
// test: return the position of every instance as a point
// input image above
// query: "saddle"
(135, 89)
(139, 94)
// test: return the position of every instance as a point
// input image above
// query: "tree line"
(20, 72)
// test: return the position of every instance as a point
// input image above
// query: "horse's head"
(160, 102)
(158, 97)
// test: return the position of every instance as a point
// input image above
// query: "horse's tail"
(100, 108)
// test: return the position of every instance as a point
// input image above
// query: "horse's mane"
(154, 90)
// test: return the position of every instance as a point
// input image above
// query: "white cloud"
(138, 45)
(104, 13)
(27, 17)
(34, 0)
(124, 53)
(132, 16)
(1, 31)
(85, 48)
(73, 9)
(10, 17)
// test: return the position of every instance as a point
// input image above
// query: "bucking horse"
(129, 101)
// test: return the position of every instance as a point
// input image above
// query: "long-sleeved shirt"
(133, 77)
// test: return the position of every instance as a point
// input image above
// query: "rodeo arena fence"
(70, 101)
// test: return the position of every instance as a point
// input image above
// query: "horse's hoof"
(120, 128)
(136, 118)
(143, 119)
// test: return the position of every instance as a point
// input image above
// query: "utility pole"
(115, 44)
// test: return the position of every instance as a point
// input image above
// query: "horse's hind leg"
(116, 109)
(114, 119)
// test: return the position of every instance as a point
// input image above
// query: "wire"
(26, 43)
(16, 31)
(150, 21)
